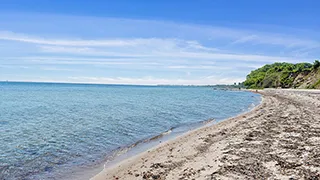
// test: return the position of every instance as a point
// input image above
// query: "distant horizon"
(106, 83)
(88, 83)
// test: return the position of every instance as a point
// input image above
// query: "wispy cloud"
(115, 42)
(201, 67)
(13, 66)
(157, 81)
(113, 50)
(10, 36)
(245, 39)
(279, 40)
(53, 68)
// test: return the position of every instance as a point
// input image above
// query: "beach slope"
(279, 139)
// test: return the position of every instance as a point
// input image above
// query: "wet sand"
(279, 139)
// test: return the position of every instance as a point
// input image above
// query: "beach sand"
(279, 139)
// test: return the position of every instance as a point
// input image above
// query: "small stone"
(155, 176)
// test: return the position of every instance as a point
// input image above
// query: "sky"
(179, 42)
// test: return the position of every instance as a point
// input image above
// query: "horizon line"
(93, 83)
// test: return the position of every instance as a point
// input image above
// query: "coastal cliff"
(285, 75)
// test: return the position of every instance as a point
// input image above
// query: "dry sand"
(279, 139)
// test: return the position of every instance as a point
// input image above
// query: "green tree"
(276, 75)
(316, 64)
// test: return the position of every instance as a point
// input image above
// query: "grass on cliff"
(284, 75)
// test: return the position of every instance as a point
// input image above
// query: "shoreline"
(123, 162)
(278, 139)
(126, 152)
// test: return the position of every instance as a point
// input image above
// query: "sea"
(48, 130)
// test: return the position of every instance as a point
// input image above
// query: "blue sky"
(153, 42)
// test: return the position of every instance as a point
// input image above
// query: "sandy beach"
(279, 139)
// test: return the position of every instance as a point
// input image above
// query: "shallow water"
(47, 129)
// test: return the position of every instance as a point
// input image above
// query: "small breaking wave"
(185, 127)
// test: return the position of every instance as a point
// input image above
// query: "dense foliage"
(316, 64)
(278, 75)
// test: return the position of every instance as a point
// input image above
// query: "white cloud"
(6, 35)
(157, 81)
(53, 68)
(175, 53)
(147, 46)
(245, 39)
(64, 49)
(172, 30)
(4, 66)
(148, 80)
(279, 40)
(200, 67)
(114, 42)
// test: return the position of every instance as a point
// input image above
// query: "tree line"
(279, 75)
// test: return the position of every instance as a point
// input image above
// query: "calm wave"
(48, 128)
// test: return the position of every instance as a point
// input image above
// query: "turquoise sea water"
(47, 129)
